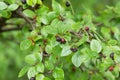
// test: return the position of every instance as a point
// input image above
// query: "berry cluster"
(61, 40)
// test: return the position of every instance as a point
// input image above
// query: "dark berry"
(58, 39)
(67, 4)
(45, 53)
(111, 68)
(73, 49)
(86, 28)
(63, 41)
(112, 56)
(24, 1)
(32, 78)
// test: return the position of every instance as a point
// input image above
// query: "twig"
(71, 8)
(10, 29)
(19, 12)
(74, 33)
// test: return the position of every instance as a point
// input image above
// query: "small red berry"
(111, 68)
(86, 28)
(63, 41)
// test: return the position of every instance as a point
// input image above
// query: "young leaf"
(40, 77)
(30, 59)
(29, 13)
(25, 44)
(39, 56)
(13, 7)
(30, 2)
(58, 73)
(57, 7)
(78, 59)
(3, 6)
(49, 65)
(46, 78)
(31, 72)
(23, 71)
(95, 46)
(40, 68)
(66, 51)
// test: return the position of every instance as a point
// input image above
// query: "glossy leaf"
(25, 44)
(29, 13)
(40, 68)
(95, 46)
(23, 71)
(31, 72)
(40, 77)
(57, 7)
(66, 51)
(30, 59)
(58, 73)
(13, 7)
(78, 59)
(3, 6)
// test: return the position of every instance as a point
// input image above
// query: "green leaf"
(40, 68)
(51, 15)
(57, 7)
(25, 44)
(10, 1)
(44, 19)
(13, 7)
(66, 51)
(30, 2)
(115, 48)
(39, 56)
(49, 65)
(5, 14)
(95, 46)
(23, 71)
(58, 73)
(42, 11)
(30, 59)
(46, 78)
(3, 6)
(40, 77)
(31, 72)
(78, 59)
(29, 13)
(48, 49)
(112, 42)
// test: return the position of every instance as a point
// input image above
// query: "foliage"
(62, 44)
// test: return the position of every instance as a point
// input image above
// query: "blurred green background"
(12, 58)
